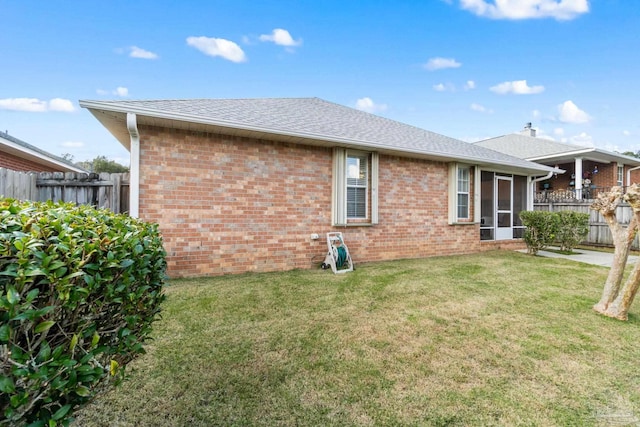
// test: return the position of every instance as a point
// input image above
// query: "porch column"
(578, 178)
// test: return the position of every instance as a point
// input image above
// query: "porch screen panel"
(504, 203)
(519, 204)
(487, 206)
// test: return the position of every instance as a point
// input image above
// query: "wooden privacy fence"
(599, 232)
(104, 190)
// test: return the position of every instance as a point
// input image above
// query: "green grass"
(500, 338)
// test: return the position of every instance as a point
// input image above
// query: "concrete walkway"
(603, 259)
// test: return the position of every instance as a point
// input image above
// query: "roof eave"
(39, 158)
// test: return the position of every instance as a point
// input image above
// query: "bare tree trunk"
(607, 204)
(619, 308)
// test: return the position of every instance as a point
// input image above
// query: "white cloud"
(281, 37)
(119, 91)
(35, 105)
(526, 9)
(212, 46)
(517, 87)
(441, 63)
(570, 113)
(59, 104)
(558, 132)
(72, 144)
(470, 84)
(626, 133)
(536, 114)
(444, 87)
(137, 52)
(480, 108)
(582, 139)
(367, 104)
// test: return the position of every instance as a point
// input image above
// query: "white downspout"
(134, 168)
(531, 191)
(629, 174)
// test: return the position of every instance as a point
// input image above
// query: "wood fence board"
(599, 232)
(103, 190)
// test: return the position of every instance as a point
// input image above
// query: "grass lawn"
(500, 338)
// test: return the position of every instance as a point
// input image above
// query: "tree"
(67, 156)
(616, 299)
(102, 164)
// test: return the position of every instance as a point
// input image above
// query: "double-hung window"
(460, 188)
(357, 186)
(463, 193)
(620, 180)
(355, 192)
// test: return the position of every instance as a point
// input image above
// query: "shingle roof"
(39, 153)
(538, 149)
(316, 119)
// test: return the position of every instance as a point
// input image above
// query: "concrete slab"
(603, 259)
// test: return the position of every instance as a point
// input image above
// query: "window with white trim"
(462, 190)
(357, 186)
(355, 182)
(620, 175)
(459, 193)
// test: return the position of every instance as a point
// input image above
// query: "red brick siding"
(10, 161)
(230, 205)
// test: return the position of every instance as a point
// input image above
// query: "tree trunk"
(619, 308)
(622, 239)
(606, 204)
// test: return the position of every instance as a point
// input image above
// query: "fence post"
(116, 178)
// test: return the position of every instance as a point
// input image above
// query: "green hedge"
(79, 291)
(573, 228)
(541, 227)
(565, 228)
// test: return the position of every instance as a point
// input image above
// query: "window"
(355, 187)
(357, 180)
(459, 184)
(620, 174)
(463, 193)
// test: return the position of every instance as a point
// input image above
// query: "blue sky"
(469, 69)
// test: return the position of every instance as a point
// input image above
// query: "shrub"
(540, 229)
(573, 227)
(79, 291)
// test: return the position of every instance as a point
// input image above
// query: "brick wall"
(10, 161)
(230, 205)
(607, 175)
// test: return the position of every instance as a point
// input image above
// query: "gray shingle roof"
(541, 149)
(316, 119)
(527, 147)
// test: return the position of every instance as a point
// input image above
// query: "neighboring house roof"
(547, 151)
(18, 148)
(300, 120)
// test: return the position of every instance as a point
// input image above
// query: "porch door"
(504, 208)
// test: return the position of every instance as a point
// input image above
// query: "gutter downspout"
(532, 181)
(629, 174)
(134, 168)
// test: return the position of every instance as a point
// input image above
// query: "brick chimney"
(528, 130)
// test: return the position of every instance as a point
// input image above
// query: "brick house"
(589, 170)
(17, 155)
(241, 185)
